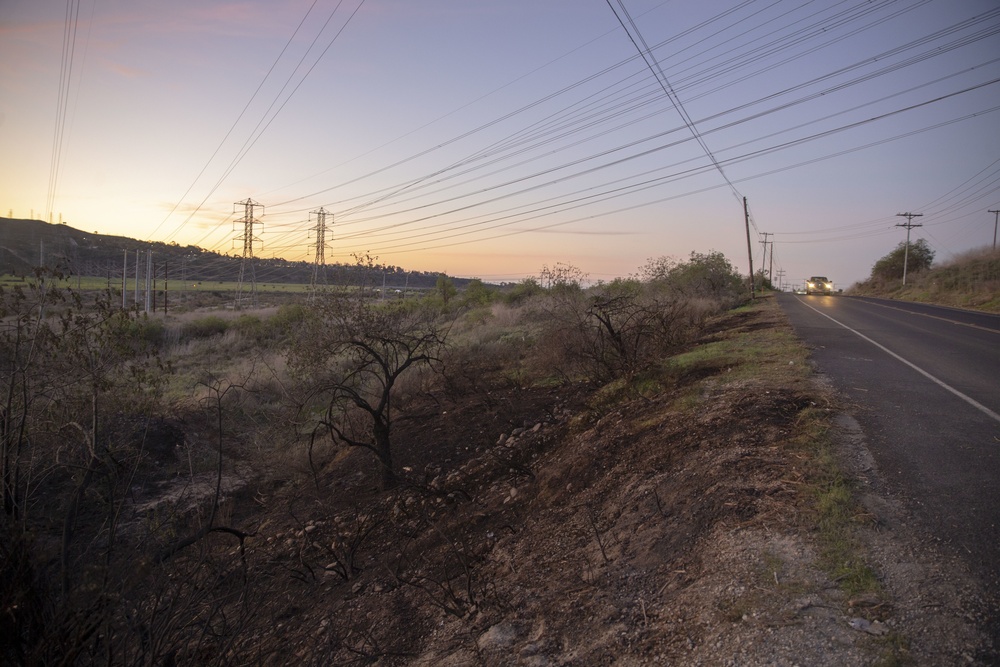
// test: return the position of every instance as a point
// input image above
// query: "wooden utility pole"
(136, 276)
(149, 278)
(124, 279)
(996, 217)
(746, 218)
(770, 267)
(764, 258)
(909, 224)
(166, 277)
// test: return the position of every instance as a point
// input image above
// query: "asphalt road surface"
(927, 383)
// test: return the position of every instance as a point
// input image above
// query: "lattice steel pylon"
(249, 240)
(319, 263)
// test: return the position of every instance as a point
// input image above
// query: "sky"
(491, 139)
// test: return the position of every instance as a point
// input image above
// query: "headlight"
(829, 285)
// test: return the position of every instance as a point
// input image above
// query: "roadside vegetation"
(354, 479)
(971, 280)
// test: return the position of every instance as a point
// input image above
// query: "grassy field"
(91, 283)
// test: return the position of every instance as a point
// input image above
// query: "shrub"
(703, 275)
(477, 293)
(204, 327)
(919, 257)
(521, 292)
(288, 318)
(249, 326)
(147, 331)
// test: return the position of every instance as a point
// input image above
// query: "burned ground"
(567, 525)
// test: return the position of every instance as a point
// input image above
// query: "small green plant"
(836, 509)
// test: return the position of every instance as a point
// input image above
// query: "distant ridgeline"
(27, 244)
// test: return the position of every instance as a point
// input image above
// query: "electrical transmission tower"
(319, 263)
(249, 240)
(909, 224)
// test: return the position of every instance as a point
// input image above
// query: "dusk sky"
(490, 138)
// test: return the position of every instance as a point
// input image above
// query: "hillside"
(695, 519)
(669, 486)
(969, 281)
(25, 244)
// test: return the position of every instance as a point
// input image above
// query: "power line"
(258, 131)
(654, 67)
(232, 128)
(868, 120)
(62, 101)
(571, 123)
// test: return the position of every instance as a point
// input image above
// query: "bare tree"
(354, 352)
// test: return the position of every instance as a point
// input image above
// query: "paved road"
(927, 383)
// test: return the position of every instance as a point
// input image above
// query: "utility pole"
(909, 224)
(149, 277)
(764, 256)
(136, 276)
(996, 217)
(124, 279)
(781, 279)
(319, 263)
(166, 276)
(746, 218)
(248, 239)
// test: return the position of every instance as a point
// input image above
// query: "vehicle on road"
(819, 285)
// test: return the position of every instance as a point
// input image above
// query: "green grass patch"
(716, 353)
(836, 510)
(773, 356)
(769, 355)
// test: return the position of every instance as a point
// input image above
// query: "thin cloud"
(126, 71)
(577, 232)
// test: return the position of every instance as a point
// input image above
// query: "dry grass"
(970, 280)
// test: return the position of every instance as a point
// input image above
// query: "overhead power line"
(522, 172)
(232, 128)
(261, 125)
(654, 67)
(62, 101)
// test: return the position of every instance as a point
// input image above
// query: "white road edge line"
(971, 401)
(933, 317)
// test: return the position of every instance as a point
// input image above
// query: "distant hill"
(26, 244)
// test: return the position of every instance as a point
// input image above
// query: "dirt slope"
(673, 523)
